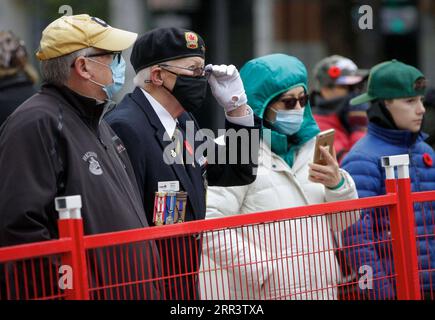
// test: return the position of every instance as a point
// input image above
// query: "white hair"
(58, 70)
(141, 77)
(144, 75)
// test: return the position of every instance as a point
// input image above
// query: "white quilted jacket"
(293, 259)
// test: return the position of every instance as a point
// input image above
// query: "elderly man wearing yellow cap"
(57, 144)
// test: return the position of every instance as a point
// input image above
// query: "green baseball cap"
(392, 80)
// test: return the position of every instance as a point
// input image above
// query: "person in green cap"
(276, 86)
(395, 92)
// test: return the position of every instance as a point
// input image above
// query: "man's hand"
(227, 87)
(328, 175)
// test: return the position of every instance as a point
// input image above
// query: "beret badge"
(191, 40)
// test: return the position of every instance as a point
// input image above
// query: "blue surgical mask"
(288, 122)
(118, 77)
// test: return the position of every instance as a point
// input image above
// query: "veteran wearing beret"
(155, 123)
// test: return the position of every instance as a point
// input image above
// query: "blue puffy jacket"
(364, 164)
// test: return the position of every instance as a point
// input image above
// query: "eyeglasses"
(197, 71)
(290, 103)
(116, 56)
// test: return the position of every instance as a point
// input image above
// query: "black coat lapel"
(179, 169)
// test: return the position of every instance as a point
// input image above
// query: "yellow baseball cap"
(71, 33)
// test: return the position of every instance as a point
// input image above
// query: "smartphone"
(324, 139)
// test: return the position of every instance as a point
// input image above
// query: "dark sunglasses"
(116, 56)
(290, 103)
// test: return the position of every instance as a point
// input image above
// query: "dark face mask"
(190, 92)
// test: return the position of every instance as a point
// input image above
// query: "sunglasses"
(197, 71)
(290, 103)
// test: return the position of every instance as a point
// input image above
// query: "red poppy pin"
(188, 147)
(427, 159)
(334, 72)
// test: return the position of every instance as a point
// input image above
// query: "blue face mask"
(288, 122)
(118, 77)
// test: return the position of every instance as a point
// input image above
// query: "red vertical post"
(402, 224)
(410, 240)
(71, 226)
(399, 255)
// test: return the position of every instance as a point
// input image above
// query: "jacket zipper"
(125, 177)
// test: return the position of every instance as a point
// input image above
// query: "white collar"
(164, 116)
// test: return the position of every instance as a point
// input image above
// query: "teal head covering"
(266, 78)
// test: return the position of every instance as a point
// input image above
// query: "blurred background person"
(17, 76)
(277, 91)
(429, 117)
(237, 31)
(395, 92)
(338, 80)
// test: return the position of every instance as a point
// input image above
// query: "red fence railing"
(297, 253)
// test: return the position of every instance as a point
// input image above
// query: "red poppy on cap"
(427, 159)
(334, 72)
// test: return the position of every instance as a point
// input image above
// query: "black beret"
(164, 44)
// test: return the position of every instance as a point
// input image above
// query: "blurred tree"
(49, 9)
(334, 15)
(226, 27)
(37, 14)
(400, 29)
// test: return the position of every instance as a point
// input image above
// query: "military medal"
(180, 208)
(170, 207)
(159, 208)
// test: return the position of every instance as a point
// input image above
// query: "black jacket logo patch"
(94, 166)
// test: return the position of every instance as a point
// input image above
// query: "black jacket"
(136, 123)
(14, 90)
(57, 144)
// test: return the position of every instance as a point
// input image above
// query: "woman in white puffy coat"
(291, 259)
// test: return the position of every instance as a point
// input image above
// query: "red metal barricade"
(292, 258)
(31, 272)
(296, 253)
(425, 202)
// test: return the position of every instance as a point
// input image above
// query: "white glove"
(227, 86)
